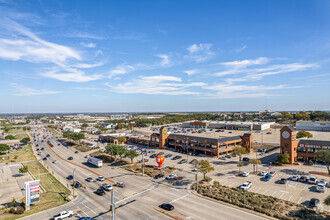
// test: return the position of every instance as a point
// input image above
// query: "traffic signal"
(114, 208)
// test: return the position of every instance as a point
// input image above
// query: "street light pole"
(197, 180)
(73, 181)
(142, 165)
(112, 205)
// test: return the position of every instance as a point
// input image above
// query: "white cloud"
(25, 91)
(87, 66)
(200, 52)
(88, 45)
(166, 85)
(29, 47)
(191, 72)
(241, 49)
(70, 75)
(121, 69)
(246, 63)
(165, 59)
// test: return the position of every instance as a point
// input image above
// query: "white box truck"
(95, 161)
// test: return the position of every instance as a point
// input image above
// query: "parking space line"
(265, 192)
(281, 195)
(290, 198)
(305, 187)
(231, 184)
(299, 200)
(273, 193)
(257, 190)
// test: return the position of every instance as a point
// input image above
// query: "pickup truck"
(245, 185)
(62, 215)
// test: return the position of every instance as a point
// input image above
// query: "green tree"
(84, 125)
(324, 156)
(113, 149)
(255, 163)
(4, 147)
(122, 140)
(204, 167)
(302, 116)
(327, 200)
(240, 164)
(131, 154)
(23, 169)
(121, 151)
(284, 158)
(240, 151)
(285, 116)
(25, 140)
(302, 134)
(10, 137)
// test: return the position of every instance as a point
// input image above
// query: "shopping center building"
(228, 125)
(300, 150)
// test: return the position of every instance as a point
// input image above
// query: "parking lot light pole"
(73, 180)
(197, 180)
(112, 205)
(142, 165)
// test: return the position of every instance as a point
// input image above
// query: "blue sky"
(129, 56)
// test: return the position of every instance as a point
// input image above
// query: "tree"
(131, 154)
(84, 125)
(204, 167)
(324, 156)
(121, 151)
(302, 116)
(327, 200)
(10, 137)
(23, 169)
(25, 140)
(302, 134)
(4, 147)
(120, 126)
(284, 158)
(240, 164)
(255, 163)
(121, 139)
(240, 151)
(113, 149)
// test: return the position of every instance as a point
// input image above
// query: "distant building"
(11, 143)
(107, 125)
(313, 125)
(228, 125)
(120, 116)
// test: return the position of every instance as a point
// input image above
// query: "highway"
(187, 205)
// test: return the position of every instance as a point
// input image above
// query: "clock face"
(285, 134)
(165, 132)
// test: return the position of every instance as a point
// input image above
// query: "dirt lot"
(151, 171)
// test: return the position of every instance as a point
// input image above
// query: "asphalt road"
(187, 205)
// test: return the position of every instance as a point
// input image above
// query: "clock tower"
(163, 134)
(289, 142)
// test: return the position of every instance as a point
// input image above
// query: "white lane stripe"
(273, 193)
(290, 197)
(299, 200)
(179, 198)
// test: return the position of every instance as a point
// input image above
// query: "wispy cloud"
(121, 69)
(167, 85)
(241, 49)
(87, 66)
(88, 45)
(200, 52)
(165, 59)
(70, 75)
(20, 90)
(84, 35)
(191, 72)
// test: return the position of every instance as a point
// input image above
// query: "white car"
(245, 185)
(55, 161)
(263, 173)
(171, 176)
(320, 188)
(322, 182)
(312, 180)
(295, 178)
(100, 178)
(245, 174)
(107, 187)
(62, 215)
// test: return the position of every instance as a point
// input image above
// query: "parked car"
(246, 159)
(153, 156)
(320, 188)
(55, 162)
(167, 206)
(45, 158)
(159, 176)
(228, 156)
(192, 161)
(263, 173)
(182, 161)
(48, 155)
(272, 173)
(171, 176)
(100, 192)
(295, 178)
(312, 180)
(282, 181)
(107, 187)
(245, 185)
(195, 170)
(120, 184)
(267, 177)
(245, 174)
(322, 182)
(176, 157)
(223, 158)
(303, 179)
(178, 178)
(160, 153)
(100, 178)
(313, 203)
(168, 155)
(76, 152)
(70, 158)
(90, 179)
(42, 148)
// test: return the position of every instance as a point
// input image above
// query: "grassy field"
(18, 132)
(55, 195)
(24, 154)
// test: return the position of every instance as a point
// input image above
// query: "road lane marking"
(179, 198)
(284, 191)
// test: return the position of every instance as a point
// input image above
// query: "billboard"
(32, 191)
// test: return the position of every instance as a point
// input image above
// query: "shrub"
(13, 203)
(207, 179)
(19, 210)
(23, 204)
(296, 163)
(216, 183)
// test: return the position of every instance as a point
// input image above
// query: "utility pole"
(142, 165)
(197, 180)
(73, 181)
(112, 205)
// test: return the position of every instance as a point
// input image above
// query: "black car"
(76, 184)
(282, 181)
(160, 153)
(176, 157)
(100, 192)
(303, 179)
(58, 144)
(159, 176)
(246, 159)
(153, 156)
(76, 152)
(70, 158)
(167, 206)
(192, 161)
(37, 145)
(45, 158)
(48, 155)
(42, 148)
(37, 149)
(313, 203)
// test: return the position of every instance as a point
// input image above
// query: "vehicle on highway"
(282, 181)
(62, 215)
(171, 176)
(45, 158)
(228, 156)
(313, 203)
(168, 155)
(106, 187)
(182, 161)
(76, 152)
(245, 185)
(312, 180)
(76, 184)
(272, 173)
(245, 174)
(90, 179)
(246, 159)
(100, 178)
(167, 206)
(159, 176)
(70, 177)
(263, 173)
(70, 158)
(58, 144)
(55, 162)
(320, 188)
(267, 178)
(39, 153)
(294, 178)
(95, 161)
(303, 179)
(42, 148)
(100, 192)
(120, 184)
(37, 149)
(48, 155)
